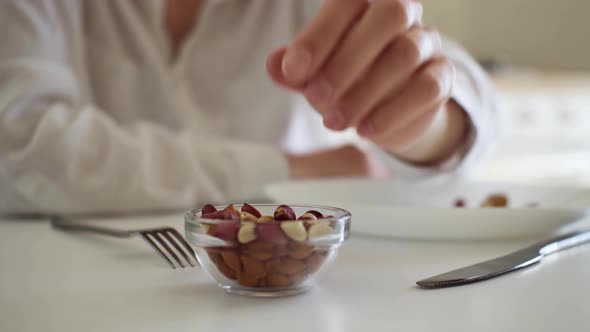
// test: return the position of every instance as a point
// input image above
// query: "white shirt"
(97, 115)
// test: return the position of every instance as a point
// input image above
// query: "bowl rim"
(342, 216)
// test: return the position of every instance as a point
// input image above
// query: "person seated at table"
(144, 105)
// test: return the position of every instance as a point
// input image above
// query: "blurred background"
(538, 54)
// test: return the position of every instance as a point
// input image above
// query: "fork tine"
(144, 235)
(183, 241)
(164, 232)
(156, 235)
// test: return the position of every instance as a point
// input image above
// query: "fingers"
(431, 85)
(381, 24)
(388, 75)
(400, 140)
(274, 67)
(313, 46)
(368, 64)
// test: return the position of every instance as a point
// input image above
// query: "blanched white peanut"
(247, 232)
(294, 230)
(245, 216)
(319, 229)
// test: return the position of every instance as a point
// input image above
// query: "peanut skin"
(214, 255)
(277, 280)
(314, 262)
(231, 259)
(208, 208)
(299, 250)
(284, 212)
(298, 278)
(253, 267)
(247, 280)
(271, 232)
(259, 250)
(290, 266)
(226, 270)
(252, 210)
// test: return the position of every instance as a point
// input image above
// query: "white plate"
(403, 210)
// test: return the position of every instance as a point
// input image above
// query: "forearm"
(63, 158)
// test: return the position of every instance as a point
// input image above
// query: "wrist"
(441, 140)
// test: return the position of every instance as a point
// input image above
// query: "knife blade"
(505, 264)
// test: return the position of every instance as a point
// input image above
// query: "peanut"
(226, 270)
(251, 210)
(277, 280)
(247, 280)
(314, 262)
(253, 267)
(299, 250)
(294, 230)
(319, 229)
(284, 212)
(231, 259)
(247, 232)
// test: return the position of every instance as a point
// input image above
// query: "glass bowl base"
(268, 293)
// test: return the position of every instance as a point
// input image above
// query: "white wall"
(543, 33)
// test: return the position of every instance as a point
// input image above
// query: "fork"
(157, 238)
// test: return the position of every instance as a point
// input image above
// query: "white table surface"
(54, 281)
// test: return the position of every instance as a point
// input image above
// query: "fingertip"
(274, 63)
(296, 64)
(334, 120)
(274, 68)
(366, 128)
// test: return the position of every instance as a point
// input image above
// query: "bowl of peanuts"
(266, 250)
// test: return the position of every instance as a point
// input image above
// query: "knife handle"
(563, 242)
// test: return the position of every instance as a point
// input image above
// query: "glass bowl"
(267, 259)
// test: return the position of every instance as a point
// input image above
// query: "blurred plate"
(421, 211)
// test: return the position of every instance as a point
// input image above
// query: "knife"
(504, 264)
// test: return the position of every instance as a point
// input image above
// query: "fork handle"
(67, 225)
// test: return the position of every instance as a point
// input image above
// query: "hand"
(369, 64)
(346, 161)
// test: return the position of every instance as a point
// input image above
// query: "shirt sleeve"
(59, 153)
